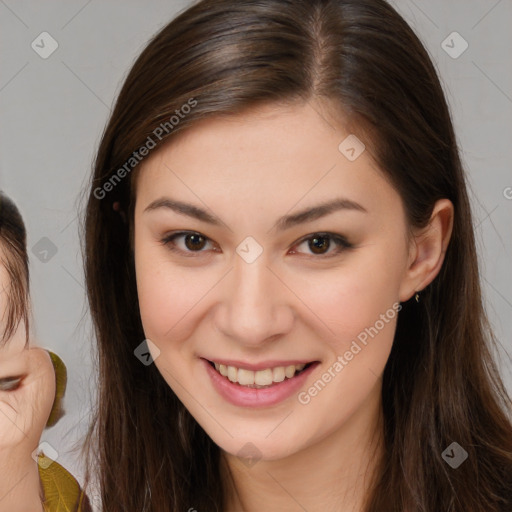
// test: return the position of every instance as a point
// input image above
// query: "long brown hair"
(440, 384)
(14, 258)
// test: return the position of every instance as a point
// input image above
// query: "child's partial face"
(253, 289)
(27, 387)
(18, 338)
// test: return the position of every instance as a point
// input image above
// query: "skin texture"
(290, 303)
(24, 412)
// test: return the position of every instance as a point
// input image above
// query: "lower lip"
(253, 397)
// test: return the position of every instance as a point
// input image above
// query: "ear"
(427, 250)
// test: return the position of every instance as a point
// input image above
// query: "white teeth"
(232, 373)
(260, 378)
(278, 374)
(289, 371)
(245, 377)
(263, 377)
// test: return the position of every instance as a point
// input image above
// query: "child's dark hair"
(14, 258)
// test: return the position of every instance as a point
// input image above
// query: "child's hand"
(27, 391)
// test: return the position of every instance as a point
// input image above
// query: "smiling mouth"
(259, 379)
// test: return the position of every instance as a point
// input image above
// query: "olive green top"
(62, 492)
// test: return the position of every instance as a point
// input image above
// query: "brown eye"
(10, 383)
(319, 244)
(194, 241)
(187, 243)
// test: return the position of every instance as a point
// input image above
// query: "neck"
(20, 486)
(333, 475)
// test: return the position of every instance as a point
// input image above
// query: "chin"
(252, 449)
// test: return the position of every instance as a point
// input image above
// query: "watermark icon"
(507, 193)
(249, 454)
(44, 45)
(44, 250)
(249, 250)
(137, 156)
(147, 352)
(454, 455)
(45, 455)
(304, 397)
(454, 45)
(351, 147)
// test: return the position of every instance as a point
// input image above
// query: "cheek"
(356, 301)
(160, 300)
(44, 390)
(167, 295)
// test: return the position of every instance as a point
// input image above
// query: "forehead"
(266, 160)
(14, 347)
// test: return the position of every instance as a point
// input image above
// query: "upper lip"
(262, 365)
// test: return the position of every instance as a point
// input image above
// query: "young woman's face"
(239, 263)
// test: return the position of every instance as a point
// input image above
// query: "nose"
(256, 306)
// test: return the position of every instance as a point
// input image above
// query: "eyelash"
(10, 383)
(341, 242)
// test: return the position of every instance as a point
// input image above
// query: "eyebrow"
(283, 223)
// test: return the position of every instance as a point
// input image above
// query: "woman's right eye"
(193, 243)
(10, 383)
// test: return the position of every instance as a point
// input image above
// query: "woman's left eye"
(318, 243)
(10, 383)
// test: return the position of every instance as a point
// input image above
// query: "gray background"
(53, 112)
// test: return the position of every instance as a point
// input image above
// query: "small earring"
(417, 296)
